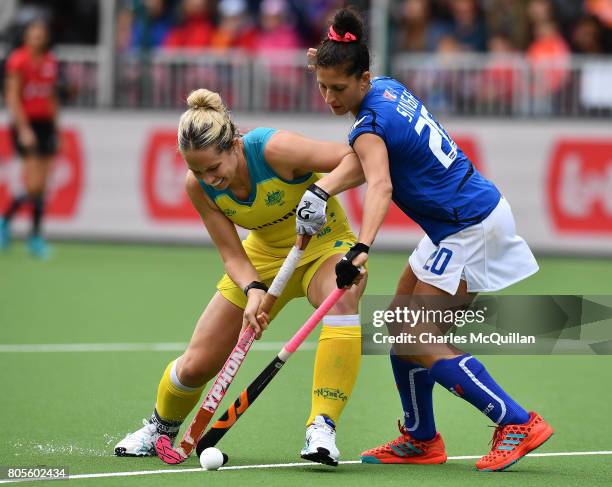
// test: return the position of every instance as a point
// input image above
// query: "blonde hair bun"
(206, 99)
(205, 123)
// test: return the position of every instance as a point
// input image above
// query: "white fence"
(164, 78)
(501, 86)
(458, 85)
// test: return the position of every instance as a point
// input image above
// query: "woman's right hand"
(311, 55)
(250, 317)
(27, 138)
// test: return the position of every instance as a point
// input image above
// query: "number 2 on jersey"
(436, 137)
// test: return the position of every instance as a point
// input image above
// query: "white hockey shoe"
(320, 444)
(141, 443)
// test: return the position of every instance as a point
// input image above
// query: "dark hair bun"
(350, 53)
(349, 20)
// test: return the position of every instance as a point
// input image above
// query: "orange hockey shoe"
(406, 449)
(513, 441)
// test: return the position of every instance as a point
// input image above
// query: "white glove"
(310, 217)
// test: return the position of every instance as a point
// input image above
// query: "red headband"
(332, 35)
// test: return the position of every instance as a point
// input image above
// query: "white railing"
(487, 85)
(80, 70)
(465, 85)
(247, 83)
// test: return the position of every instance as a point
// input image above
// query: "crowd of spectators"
(540, 28)
(254, 25)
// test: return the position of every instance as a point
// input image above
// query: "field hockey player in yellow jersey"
(255, 181)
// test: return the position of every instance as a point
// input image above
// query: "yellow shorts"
(267, 265)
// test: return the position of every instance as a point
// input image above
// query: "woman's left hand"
(350, 269)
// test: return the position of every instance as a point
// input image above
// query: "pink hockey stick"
(255, 388)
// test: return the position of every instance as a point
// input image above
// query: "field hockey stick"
(255, 388)
(284, 274)
(163, 446)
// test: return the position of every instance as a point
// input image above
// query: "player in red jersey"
(31, 76)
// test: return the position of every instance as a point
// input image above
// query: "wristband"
(321, 193)
(355, 250)
(255, 285)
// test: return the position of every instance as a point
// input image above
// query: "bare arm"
(348, 174)
(235, 260)
(13, 101)
(375, 162)
(223, 233)
(292, 155)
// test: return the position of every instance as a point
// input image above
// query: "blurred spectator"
(539, 11)
(602, 9)
(414, 33)
(277, 30)
(498, 76)
(587, 36)
(508, 18)
(195, 29)
(275, 43)
(448, 46)
(433, 82)
(549, 56)
(461, 19)
(468, 26)
(123, 29)
(314, 17)
(567, 11)
(235, 29)
(150, 25)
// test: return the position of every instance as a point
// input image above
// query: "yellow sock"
(336, 366)
(175, 400)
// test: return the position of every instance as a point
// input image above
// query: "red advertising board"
(164, 179)
(580, 186)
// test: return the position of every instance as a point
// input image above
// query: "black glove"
(346, 272)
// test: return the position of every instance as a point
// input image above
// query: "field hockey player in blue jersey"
(470, 243)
